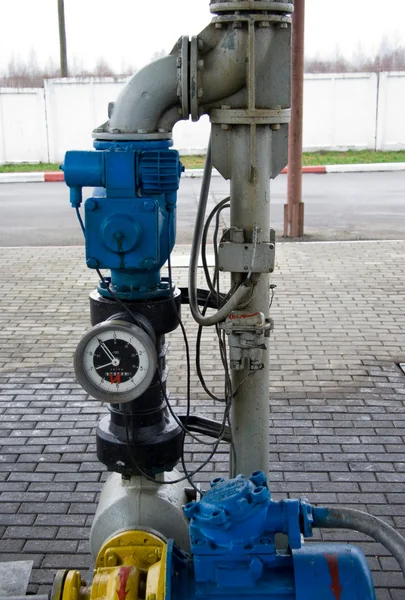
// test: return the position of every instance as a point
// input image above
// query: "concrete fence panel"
(74, 108)
(340, 111)
(23, 135)
(391, 113)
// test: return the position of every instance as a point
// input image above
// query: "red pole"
(294, 210)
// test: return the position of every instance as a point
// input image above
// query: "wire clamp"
(247, 333)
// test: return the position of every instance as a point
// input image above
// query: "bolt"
(91, 205)
(221, 268)
(218, 25)
(140, 131)
(260, 494)
(271, 246)
(152, 558)
(237, 25)
(217, 480)
(246, 268)
(256, 568)
(200, 93)
(276, 126)
(224, 126)
(200, 64)
(271, 270)
(225, 107)
(149, 206)
(92, 263)
(219, 517)
(221, 245)
(162, 130)
(283, 25)
(264, 24)
(115, 130)
(149, 264)
(112, 560)
(200, 44)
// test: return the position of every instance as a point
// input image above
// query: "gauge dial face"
(115, 361)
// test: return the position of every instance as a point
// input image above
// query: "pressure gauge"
(115, 361)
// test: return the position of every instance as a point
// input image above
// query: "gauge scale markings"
(131, 361)
(115, 361)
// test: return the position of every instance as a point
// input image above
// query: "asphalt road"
(347, 206)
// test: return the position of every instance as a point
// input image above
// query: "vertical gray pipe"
(250, 207)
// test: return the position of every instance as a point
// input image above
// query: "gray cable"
(241, 292)
(349, 518)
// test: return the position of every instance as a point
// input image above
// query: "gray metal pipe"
(149, 102)
(146, 97)
(349, 518)
(250, 210)
(224, 71)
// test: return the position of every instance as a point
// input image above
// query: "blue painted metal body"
(233, 540)
(130, 221)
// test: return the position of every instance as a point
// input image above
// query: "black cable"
(79, 216)
(219, 207)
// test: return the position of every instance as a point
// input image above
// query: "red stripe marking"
(123, 575)
(315, 169)
(333, 565)
(54, 176)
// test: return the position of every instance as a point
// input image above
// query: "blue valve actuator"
(130, 220)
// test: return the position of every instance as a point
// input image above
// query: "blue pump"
(130, 221)
(234, 550)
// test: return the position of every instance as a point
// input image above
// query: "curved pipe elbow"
(147, 96)
(149, 102)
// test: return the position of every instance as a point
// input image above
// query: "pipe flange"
(131, 137)
(195, 91)
(253, 17)
(256, 116)
(250, 5)
(183, 77)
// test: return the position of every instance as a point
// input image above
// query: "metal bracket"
(237, 256)
(247, 335)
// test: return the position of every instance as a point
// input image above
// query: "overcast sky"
(129, 32)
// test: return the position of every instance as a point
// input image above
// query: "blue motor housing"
(130, 221)
(235, 550)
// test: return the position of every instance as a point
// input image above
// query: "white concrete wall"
(74, 108)
(340, 111)
(354, 110)
(23, 136)
(391, 109)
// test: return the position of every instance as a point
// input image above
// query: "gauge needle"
(104, 366)
(106, 350)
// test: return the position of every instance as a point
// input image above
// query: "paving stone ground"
(337, 397)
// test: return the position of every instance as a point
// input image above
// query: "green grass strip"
(352, 157)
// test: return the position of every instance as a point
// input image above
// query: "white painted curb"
(366, 168)
(22, 177)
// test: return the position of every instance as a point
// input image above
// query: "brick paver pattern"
(337, 397)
